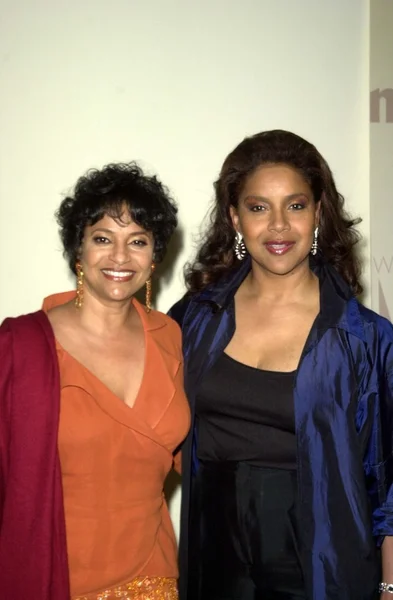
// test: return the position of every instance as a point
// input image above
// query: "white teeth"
(117, 273)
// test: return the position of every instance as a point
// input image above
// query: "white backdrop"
(174, 84)
(381, 155)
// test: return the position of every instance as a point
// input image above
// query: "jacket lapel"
(161, 366)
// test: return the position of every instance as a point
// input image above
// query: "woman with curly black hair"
(287, 470)
(92, 409)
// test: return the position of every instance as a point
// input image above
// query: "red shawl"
(33, 551)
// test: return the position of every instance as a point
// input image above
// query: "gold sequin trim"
(141, 588)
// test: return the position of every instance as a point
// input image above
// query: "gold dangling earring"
(79, 285)
(148, 290)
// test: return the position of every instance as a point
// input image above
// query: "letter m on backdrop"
(376, 98)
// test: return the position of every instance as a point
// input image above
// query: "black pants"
(243, 534)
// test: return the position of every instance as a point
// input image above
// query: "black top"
(246, 414)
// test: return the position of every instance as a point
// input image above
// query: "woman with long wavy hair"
(287, 470)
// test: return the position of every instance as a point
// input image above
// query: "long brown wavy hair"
(337, 235)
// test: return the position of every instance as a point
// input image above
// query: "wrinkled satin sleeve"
(379, 459)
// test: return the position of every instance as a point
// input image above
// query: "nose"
(278, 220)
(119, 252)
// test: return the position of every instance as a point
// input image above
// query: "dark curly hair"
(337, 236)
(107, 192)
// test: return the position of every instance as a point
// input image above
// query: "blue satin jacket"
(343, 399)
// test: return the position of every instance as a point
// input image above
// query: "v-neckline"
(95, 377)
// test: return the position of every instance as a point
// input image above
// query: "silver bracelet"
(386, 587)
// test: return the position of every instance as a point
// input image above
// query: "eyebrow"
(286, 198)
(106, 230)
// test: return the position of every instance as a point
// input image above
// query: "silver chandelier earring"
(239, 247)
(314, 246)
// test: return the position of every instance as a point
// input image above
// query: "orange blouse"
(114, 461)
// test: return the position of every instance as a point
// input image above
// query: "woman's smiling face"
(116, 258)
